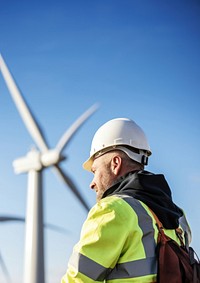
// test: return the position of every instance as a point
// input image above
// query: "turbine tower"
(33, 164)
(12, 218)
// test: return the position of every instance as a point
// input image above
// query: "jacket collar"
(153, 190)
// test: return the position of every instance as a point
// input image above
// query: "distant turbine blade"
(6, 218)
(71, 185)
(56, 228)
(5, 270)
(23, 108)
(73, 129)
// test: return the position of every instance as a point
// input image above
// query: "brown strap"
(179, 231)
(160, 226)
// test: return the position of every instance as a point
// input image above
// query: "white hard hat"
(123, 134)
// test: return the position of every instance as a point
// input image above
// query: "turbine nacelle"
(34, 160)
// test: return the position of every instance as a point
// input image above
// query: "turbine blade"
(6, 218)
(5, 270)
(56, 228)
(25, 112)
(65, 139)
(71, 185)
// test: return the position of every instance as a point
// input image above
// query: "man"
(118, 238)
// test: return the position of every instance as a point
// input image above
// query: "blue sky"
(137, 59)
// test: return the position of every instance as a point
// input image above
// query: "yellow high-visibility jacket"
(117, 244)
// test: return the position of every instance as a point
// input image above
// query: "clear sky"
(137, 59)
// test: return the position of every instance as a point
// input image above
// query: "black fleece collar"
(154, 191)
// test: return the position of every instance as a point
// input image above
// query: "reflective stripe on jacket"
(117, 244)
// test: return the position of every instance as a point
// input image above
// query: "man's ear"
(116, 164)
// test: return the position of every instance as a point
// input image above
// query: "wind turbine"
(12, 218)
(33, 164)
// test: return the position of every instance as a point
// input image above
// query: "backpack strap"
(159, 224)
(160, 227)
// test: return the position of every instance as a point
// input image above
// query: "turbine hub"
(50, 157)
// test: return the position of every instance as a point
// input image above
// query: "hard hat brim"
(138, 157)
(87, 165)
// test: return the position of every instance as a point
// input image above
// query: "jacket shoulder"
(116, 205)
